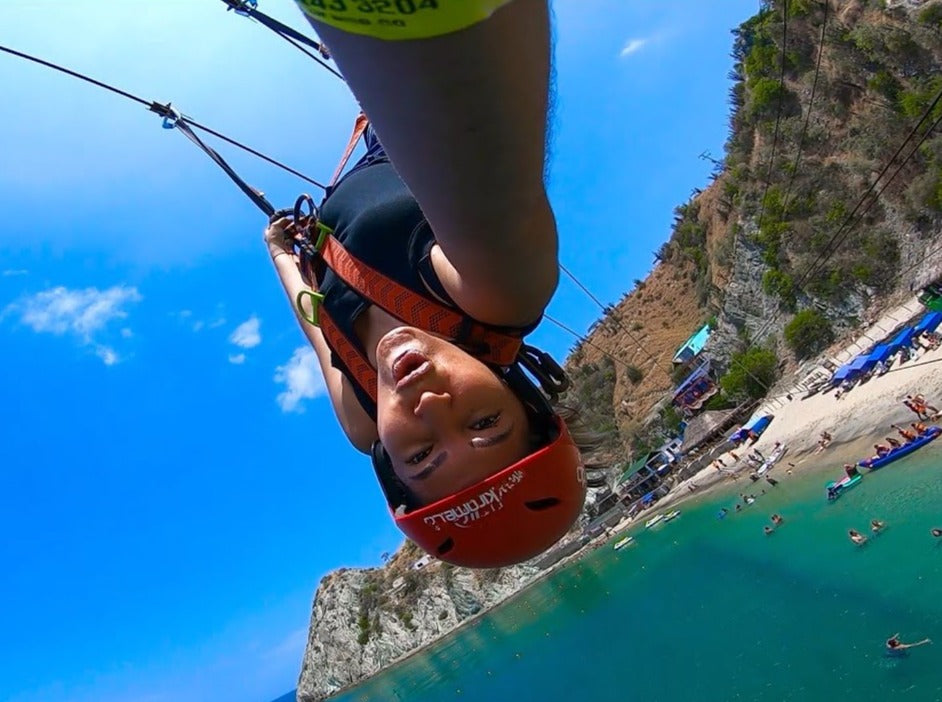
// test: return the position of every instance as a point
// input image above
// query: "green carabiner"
(316, 300)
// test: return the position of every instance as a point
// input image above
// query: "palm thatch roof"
(707, 426)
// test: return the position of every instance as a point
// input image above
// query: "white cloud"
(302, 379)
(197, 325)
(237, 359)
(217, 322)
(83, 314)
(9, 272)
(126, 333)
(246, 335)
(107, 355)
(632, 46)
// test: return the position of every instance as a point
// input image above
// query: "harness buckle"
(303, 221)
(317, 299)
(545, 369)
(171, 117)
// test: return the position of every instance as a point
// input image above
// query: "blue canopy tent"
(840, 375)
(860, 365)
(881, 353)
(757, 425)
(903, 338)
(928, 323)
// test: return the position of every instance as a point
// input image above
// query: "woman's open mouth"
(409, 366)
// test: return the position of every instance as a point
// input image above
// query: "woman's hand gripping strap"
(308, 236)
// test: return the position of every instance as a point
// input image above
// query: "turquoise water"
(716, 610)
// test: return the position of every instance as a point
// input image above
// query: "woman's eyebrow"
(480, 442)
(430, 468)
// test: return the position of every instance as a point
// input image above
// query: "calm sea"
(711, 609)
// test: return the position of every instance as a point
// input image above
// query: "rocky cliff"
(364, 619)
(783, 233)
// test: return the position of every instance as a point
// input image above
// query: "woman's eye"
(486, 422)
(418, 457)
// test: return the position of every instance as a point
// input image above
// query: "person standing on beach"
(920, 401)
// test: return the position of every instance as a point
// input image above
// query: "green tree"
(751, 373)
(808, 333)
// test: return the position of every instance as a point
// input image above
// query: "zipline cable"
(171, 116)
(249, 8)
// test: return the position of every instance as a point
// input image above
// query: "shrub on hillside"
(808, 333)
(751, 374)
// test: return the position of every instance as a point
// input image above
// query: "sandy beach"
(856, 420)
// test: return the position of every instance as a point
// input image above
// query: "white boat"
(672, 515)
(624, 541)
(654, 521)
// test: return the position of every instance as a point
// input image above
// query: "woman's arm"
(355, 422)
(463, 117)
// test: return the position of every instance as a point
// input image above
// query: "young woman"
(477, 467)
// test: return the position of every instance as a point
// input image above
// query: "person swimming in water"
(877, 526)
(894, 644)
(777, 519)
(767, 529)
(936, 532)
(856, 537)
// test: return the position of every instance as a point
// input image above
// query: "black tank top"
(374, 215)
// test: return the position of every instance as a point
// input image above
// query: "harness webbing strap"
(358, 128)
(413, 309)
(355, 361)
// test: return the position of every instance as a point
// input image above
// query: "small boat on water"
(654, 521)
(624, 541)
(836, 489)
(672, 515)
(875, 462)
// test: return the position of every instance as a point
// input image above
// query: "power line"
(804, 127)
(607, 310)
(778, 114)
(844, 230)
(170, 116)
(585, 340)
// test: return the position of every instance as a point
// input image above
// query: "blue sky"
(172, 481)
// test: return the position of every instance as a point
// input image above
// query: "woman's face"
(446, 420)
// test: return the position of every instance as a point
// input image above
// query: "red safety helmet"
(510, 516)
